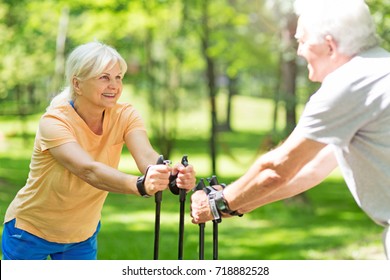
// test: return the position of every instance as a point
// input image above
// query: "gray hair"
(349, 22)
(87, 61)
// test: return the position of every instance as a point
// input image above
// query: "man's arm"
(309, 176)
(270, 174)
(272, 171)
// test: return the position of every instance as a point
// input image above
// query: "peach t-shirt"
(55, 204)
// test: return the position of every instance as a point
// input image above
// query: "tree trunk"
(288, 86)
(210, 75)
(289, 73)
(60, 51)
(232, 91)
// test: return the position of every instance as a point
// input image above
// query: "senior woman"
(75, 159)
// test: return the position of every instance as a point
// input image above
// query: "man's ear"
(332, 44)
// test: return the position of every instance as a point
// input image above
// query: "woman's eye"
(105, 77)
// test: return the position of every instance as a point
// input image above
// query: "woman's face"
(102, 91)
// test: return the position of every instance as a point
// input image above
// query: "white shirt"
(351, 112)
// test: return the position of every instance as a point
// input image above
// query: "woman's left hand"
(185, 176)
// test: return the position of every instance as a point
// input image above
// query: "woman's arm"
(144, 155)
(138, 144)
(104, 177)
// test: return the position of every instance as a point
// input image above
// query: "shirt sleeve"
(133, 120)
(54, 132)
(335, 113)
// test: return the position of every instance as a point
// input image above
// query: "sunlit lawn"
(328, 226)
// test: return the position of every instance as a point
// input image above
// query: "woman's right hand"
(157, 178)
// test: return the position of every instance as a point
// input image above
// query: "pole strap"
(211, 192)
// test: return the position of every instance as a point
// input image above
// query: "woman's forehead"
(114, 67)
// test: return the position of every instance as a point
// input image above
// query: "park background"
(217, 80)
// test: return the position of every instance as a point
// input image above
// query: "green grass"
(329, 225)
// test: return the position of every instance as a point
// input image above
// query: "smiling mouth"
(109, 94)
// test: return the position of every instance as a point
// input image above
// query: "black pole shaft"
(201, 240)
(158, 198)
(214, 181)
(181, 222)
(215, 240)
(182, 199)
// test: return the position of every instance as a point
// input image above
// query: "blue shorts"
(18, 244)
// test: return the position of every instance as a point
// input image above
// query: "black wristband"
(141, 185)
(223, 205)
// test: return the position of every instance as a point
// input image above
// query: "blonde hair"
(87, 61)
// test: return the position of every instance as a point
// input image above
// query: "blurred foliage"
(160, 40)
(381, 11)
(245, 41)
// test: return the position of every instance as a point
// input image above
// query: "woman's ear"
(76, 85)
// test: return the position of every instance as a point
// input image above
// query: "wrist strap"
(172, 184)
(141, 185)
(210, 191)
(172, 178)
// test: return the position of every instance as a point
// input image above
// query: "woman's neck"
(93, 118)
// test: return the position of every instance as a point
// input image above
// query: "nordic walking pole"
(200, 186)
(157, 199)
(215, 240)
(214, 181)
(201, 241)
(182, 199)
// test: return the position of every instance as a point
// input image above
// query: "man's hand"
(200, 209)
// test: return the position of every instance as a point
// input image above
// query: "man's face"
(317, 55)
